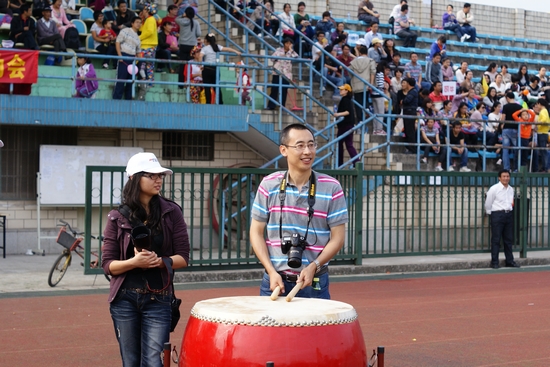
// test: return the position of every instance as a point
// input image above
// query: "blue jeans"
(463, 158)
(333, 79)
(471, 31)
(509, 138)
(455, 28)
(307, 292)
(142, 326)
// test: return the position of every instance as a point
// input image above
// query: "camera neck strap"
(310, 201)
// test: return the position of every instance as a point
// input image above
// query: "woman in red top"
(526, 131)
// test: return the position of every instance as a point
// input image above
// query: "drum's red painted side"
(209, 344)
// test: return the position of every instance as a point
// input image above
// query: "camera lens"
(295, 257)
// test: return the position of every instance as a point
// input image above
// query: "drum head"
(262, 311)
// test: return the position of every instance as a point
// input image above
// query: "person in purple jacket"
(86, 79)
(450, 23)
(142, 265)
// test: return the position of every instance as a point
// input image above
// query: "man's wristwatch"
(316, 262)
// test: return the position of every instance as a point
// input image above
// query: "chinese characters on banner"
(18, 67)
(449, 89)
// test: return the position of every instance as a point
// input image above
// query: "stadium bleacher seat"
(90, 44)
(80, 26)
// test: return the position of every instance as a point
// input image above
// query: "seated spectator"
(124, 17)
(184, 4)
(425, 111)
(437, 97)
(288, 25)
(15, 6)
(301, 20)
(346, 58)
(459, 98)
(366, 13)
(468, 80)
(450, 23)
(326, 24)
(396, 11)
(109, 35)
(444, 115)
(456, 140)
(331, 70)
(339, 31)
(523, 76)
(60, 18)
(70, 9)
(482, 130)
(465, 19)
(321, 43)
(402, 28)
(396, 87)
(499, 86)
(422, 95)
(414, 70)
(542, 76)
(396, 64)
(473, 130)
(526, 117)
(84, 87)
(167, 45)
(102, 43)
(339, 44)
(389, 48)
(376, 52)
(5, 7)
(491, 71)
(273, 23)
(433, 72)
(461, 72)
(471, 100)
(534, 88)
(372, 34)
(23, 29)
(47, 33)
(170, 17)
(38, 6)
(447, 70)
(491, 98)
(506, 76)
(429, 134)
(439, 47)
(482, 87)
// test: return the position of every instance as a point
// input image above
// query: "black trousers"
(362, 98)
(27, 39)
(502, 227)
(209, 77)
(410, 130)
(184, 55)
(56, 41)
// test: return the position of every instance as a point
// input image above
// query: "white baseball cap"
(1, 143)
(145, 162)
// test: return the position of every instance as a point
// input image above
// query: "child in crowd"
(526, 130)
(108, 31)
(85, 88)
(243, 80)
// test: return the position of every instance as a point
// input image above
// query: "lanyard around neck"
(310, 201)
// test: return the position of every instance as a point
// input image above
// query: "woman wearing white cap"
(142, 266)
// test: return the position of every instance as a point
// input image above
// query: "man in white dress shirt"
(499, 205)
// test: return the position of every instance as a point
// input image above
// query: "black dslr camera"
(141, 237)
(294, 246)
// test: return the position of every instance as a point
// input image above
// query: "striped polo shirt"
(330, 210)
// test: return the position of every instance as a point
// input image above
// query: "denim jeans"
(455, 28)
(142, 326)
(307, 292)
(509, 138)
(463, 158)
(471, 31)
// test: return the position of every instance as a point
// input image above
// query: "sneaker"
(499, 162)
(438, 169)
(467, 36)
(465, 169)
(450, 169)
(424, 160)
(379, 132)
(105, 66)
(463, 38)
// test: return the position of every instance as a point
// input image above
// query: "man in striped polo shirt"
(313, 208)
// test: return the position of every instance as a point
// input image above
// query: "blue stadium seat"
(86, 14)
(80, 26)
(90, 44)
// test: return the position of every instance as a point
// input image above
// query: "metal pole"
(380, 353)
(166, 354)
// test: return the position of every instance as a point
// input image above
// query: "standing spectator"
(509, 130)
(346, 110)
(408, 100)
(396, 11)
(107, 33)
(149, 42)
(376, 52)
(210, 70)
(378, 100)
(543, 128)
(326, 24)
(456, 140)
(506, 76)
(366, 13)
(395, 88)
(402, 28)
(127, 44)
(364, 67)
(284, 67)
(168, 44)
(414, 70)
(390, 50)
(450, 23)
(124, 16)
(373, 34)
(465, 19)
(60, 18)
(86, 84)
(339, 31)
(439, 47)
(190, 30)
(331, 70)
(196, 75)
(141, 286)
(447, 70)
(48, 33)
(346, 58)
(429, 134)
(433, 72)
(171, 18)
(526, 131)
(499, 204)
(23, 29)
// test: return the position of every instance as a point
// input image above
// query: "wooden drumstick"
(275, 293)
(293, 292)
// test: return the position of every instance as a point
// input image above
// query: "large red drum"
(250, 331)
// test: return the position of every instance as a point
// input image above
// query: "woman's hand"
(146, 259)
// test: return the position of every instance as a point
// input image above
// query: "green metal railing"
(392, 213)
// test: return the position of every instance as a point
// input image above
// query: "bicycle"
(71, 241)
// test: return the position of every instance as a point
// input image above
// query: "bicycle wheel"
(59, 268)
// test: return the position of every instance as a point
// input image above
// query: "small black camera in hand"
(294, 245)
(141, 237)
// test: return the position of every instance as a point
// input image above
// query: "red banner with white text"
(18, 67)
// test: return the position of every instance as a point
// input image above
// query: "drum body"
(250, 331)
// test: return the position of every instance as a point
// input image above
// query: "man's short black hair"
(120, 2)
(443, 39)
(436, 54)
(410, 81)
(404, 7)
(457, 123)
(510, 95)
(135, 18)
(172, 6)
(363, 50)
(326, 14)
(97, 13)
(467, 5)
(320, 33)
(105, 21)
(534, 78)
(396, 54)
(503, 171)
(283, 139)
(452, 7)
(24, 8)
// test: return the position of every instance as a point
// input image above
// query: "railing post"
(358, 207)
(523, 231)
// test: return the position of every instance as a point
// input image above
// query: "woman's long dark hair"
(130, 197)
(190, 13)
(211, 39)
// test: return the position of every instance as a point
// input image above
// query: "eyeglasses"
(155, 176)
(301, 146)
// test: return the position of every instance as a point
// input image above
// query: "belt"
(165, 292)
(292, 278)
(501, 211)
